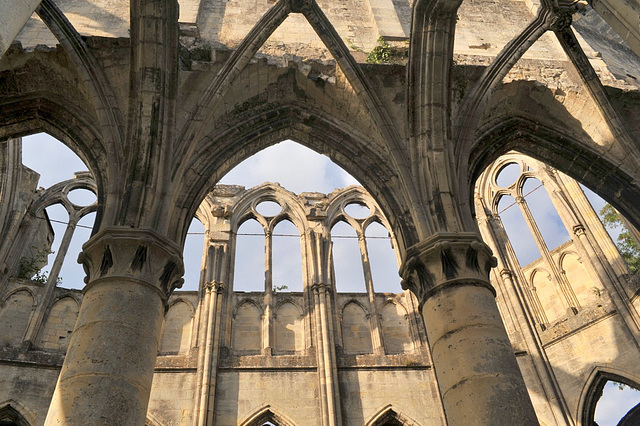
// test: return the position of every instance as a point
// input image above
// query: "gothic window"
(517, 230)
(248, 273)
(287, 257)
(192, 255)
(544, 213)
(382, 258)
(9, 416)
(347, 261)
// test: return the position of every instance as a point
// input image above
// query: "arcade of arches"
(161, 99)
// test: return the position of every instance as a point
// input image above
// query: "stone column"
(475, 366)
(107, 373)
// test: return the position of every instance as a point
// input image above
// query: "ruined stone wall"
(265, 349)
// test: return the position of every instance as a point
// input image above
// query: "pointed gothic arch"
(592, 391)
(267, 413)
(11, 416)
(390, 416)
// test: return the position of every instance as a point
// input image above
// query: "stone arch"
(176, 334)
(263, 127)
(15, 314)
(390, 416)
(12, 413)
(59, 325)
(73, 126)
(592, 391)
(396, 333)
(247, 328)
(267, 413)
(292, 210)
(289, 328)
(564, 152)
(356, 329)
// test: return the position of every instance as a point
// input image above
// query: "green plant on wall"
(627, 245)
(30, 269)
(380, 54)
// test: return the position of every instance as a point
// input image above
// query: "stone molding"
(133, 254)
(444, 260)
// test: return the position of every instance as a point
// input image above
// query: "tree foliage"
(627, 245)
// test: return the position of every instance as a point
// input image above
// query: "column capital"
(446, 259)
(579, 229)
(320, 287)
(215, 286)
(133, 254)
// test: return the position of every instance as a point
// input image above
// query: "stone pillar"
(475, 366)
(107, 372)
(13, 15)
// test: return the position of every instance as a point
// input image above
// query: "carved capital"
(320, 287)
(133, 254)
(446, 259)
(215, 287)
(579, 230)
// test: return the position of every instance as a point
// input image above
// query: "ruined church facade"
(160, 100)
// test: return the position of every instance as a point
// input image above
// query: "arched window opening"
(517, 230)
(544, 213)
(248, 273)
(9, 416)
(618, 404)
(347, 261)
(382, 258)
(508, 175)
(59, 164)
(309, 172)
(287, 258)
(193, 249)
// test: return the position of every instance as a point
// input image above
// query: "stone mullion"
(40, 313)
(497, 233)
(476, 369)
(374, 318)
(130, 275)
(559, 279)
(268, 316)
